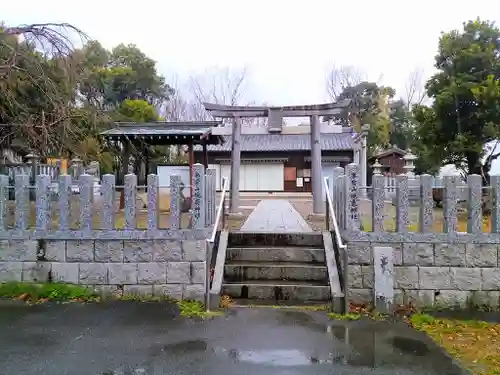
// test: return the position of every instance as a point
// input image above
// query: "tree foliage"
(465, 114)
(462, 124)
(55, 99)
(125, 73)
(37, 88)
(370, 104)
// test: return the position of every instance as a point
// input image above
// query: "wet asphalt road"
(119, 338)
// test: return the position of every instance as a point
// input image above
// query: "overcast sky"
(288, 47)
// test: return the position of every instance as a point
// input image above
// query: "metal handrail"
(220, 211)
(221, 214)
(330, 213)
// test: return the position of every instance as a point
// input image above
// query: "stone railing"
(98, 215)
(369, 221)
(413, 252)
(113, 251)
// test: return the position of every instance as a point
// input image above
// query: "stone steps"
(276, 269)
(288, 271)
(262, 239)
(288, 304)
(277, 290)
(276, 254)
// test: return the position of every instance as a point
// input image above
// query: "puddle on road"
(391, 348)
(365, 345)
(392, 345)
(279, 357)
(410, 345)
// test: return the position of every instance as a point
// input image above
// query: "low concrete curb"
(333, 274)
(219, 271)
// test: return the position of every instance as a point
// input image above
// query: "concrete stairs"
(283, 268)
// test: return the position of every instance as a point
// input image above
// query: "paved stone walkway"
(127, 337)
(275, 215)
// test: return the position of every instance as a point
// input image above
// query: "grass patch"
(32, 292)
(475, 344)
(39, 293)
(190, 308)
(372, 315)
(348, 316)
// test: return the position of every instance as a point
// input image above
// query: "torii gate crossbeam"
(275, 119)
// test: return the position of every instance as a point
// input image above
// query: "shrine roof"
(285, 142)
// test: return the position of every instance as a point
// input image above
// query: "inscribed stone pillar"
(318, 207)
(198, 199)
(234, 202)
(4, 200)
(351, 197)
(383, 271)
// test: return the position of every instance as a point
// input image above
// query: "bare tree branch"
(415, 88)
(220, 85)
(341, 77)
(44, 132)
(177, 106)
(217, 85)
(52, 39)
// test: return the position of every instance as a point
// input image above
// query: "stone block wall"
(175, 268)
(430, 275)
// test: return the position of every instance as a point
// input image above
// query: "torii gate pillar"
(316, 173)
(234, 203)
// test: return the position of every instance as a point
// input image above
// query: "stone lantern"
(413, 181)
(33, 160)
(377, 167)
(76, 167)
(31, 156)
(409, 166)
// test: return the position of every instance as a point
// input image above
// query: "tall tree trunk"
(474, 163)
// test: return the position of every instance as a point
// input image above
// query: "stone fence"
(97, 252)
(430, 256)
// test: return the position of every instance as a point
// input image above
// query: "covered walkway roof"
(165, 132)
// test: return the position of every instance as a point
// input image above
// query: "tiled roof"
(393, 150)
(285, 142)
(166, 132)
(161, 128)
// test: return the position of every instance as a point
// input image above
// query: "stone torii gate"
(275, 117)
